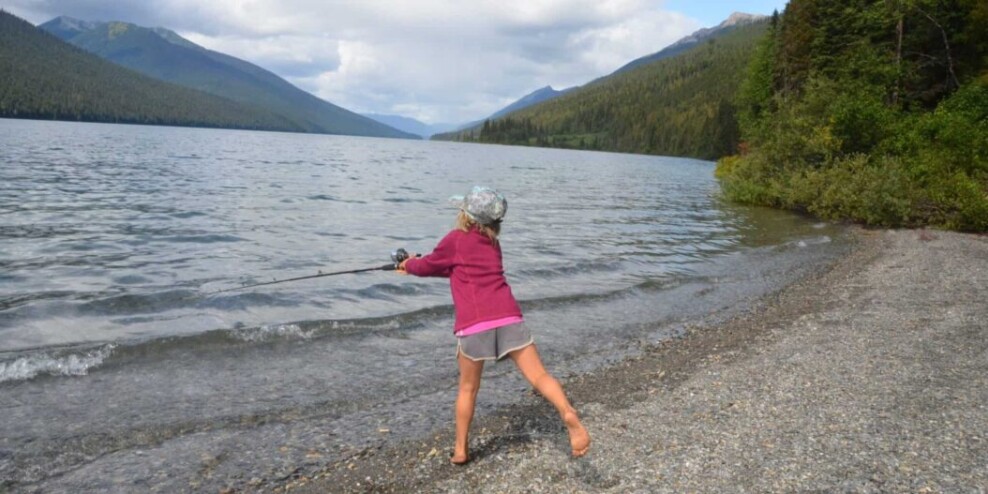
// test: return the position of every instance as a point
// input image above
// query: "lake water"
(113, 237)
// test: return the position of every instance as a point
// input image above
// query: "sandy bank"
(870, 377)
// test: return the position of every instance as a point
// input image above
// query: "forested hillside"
(869, 111)
(680, 106)
(42, 77)
(164, 55)
(735, 20)
(535, 97)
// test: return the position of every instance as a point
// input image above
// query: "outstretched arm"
(438, 263)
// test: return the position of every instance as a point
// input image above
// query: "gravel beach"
(871, 376)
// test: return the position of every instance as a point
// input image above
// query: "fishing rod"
(397, 257)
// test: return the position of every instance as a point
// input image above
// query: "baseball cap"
(482, 204)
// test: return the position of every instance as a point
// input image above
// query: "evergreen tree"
(872, 111)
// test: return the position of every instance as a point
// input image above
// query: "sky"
(438, 61)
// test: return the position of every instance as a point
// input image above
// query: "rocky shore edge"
(869, 376)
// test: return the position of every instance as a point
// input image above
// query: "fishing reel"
(399, 256)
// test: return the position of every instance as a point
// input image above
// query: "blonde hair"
(465, 223)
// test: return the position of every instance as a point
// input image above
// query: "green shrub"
(746, 180)
(909, 170)
(846, 115)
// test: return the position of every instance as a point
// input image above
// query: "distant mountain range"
(42, 77)
(735, 20)
(45, 79)
(164, 55)
(428, 130)
(547, 93)
(411, 125)
(678, 102)
(535, 97)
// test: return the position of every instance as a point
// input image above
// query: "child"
(489, 324)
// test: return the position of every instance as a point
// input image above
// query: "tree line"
(868, 111)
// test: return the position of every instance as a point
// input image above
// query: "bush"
(857, 159)
(745, 180)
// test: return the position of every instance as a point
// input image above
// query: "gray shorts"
(494, 344)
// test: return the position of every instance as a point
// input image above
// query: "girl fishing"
(489, 324)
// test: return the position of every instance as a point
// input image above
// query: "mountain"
(425, 130)
(163, 54)
(539, 95)
(535, 97)
(42, 77)
(733, 21)
(411, 125)
(66, 27)
(681, 105)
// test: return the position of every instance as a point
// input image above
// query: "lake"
(113, 239)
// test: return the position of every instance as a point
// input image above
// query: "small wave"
(327, 197)
(188, 214)
(322, 197)
(806, 242)
(354, 326)
(7, 303)
(202, 239)
(405, 200)
(12, 278)
(567, 270)
(38, 231)
(131, 303)
(30, 366)
(273, 332)
(131, 279)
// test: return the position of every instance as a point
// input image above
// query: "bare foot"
(459, 458)
(579, 438)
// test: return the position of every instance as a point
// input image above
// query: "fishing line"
(397, 257)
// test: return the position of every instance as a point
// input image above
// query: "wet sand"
(868, 376)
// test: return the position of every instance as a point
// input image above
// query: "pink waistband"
(480, 327)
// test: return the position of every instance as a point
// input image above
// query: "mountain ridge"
(679, 105)
(540, 95)
(682, 45)
(163, 54)
(411, 125)
(42, 77)
(736, 19)
(535, 97)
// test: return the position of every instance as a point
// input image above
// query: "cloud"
(286, 55)
(435, 60)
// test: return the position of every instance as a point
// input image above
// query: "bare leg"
(470, 372)
(528, 362)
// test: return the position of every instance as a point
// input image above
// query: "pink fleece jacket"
(476, 277)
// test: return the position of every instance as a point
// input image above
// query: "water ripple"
(124, 230)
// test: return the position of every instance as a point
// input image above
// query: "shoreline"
(866, 376)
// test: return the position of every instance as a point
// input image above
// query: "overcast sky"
(434, 60)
